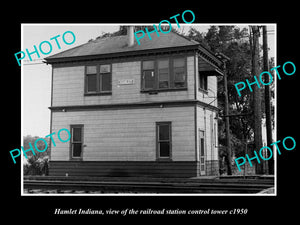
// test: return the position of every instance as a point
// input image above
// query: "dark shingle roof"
(118, 44)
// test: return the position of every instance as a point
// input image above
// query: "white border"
(114, 24)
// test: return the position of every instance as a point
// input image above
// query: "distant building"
(136, 110)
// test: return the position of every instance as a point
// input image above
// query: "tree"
(37, 164)
(256, 93)
(233, 42)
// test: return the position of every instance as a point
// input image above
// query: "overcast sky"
(36, 78)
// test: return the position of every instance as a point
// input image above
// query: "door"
(202, 152)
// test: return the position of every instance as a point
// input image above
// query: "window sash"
(91, 80)
(76, 142)
(164, 142)
(148, 79)
(179, 77)
(169, 73)
(102, 83)
(202, 81)
(105, 82)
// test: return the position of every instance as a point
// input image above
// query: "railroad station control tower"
(135, 110)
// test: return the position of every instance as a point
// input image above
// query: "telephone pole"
(267, 101)
(228, 157)
(256, 95)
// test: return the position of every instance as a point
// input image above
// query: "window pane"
(202, 167)
(76, 134)
(179, 62)
(105, 69)
(76, 150)
(91, 69)
(203, 81)
(164, 132)
(202, 147)
(163, 64)
(202, 160)
(148, 65)
(179, 77)
(164, 149)
(149, 79)
(163, 78)
(106, 82)
(92, 83)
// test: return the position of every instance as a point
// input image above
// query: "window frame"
(158, 157)
(171, 75)
(149, 70)
(99, 76)
(202, 149)
(159, 74)
(184, 69)
(205, 83)
(76, 158)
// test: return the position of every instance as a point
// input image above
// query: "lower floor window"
(164, 143)
(76, 142)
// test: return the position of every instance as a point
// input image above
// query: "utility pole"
(267, 101)
(228, 157)
(256, 95)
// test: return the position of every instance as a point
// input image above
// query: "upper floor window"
(148, 75)
(98, 79)
(202, 81)
(179, 72)
(164, 74)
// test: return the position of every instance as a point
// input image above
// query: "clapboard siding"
(127, 135)
(204, 124)
(129, 168)
(68, 86)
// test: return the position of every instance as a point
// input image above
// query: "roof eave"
(51, 60)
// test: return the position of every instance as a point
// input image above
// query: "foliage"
(36, 164)
(233, 42)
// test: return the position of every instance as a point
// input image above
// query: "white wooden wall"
(204, 123)
(68, 86)
(123, 135)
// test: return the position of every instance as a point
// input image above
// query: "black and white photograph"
(150, 113)
(171, 115)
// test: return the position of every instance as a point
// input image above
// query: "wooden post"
(270, 168)
(256, 96)
(228, 144)
(228, 157)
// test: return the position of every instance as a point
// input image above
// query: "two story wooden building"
(135, 110)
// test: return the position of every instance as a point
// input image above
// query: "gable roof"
(117, 45)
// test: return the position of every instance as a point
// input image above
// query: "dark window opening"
(76, 141)
(164, 74)
(98, 79)
(163, 130)
(202, 81)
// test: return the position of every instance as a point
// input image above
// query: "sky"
(36, 76)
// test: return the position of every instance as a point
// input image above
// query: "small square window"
(91, 70)
(105, 69)
(148, 65)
